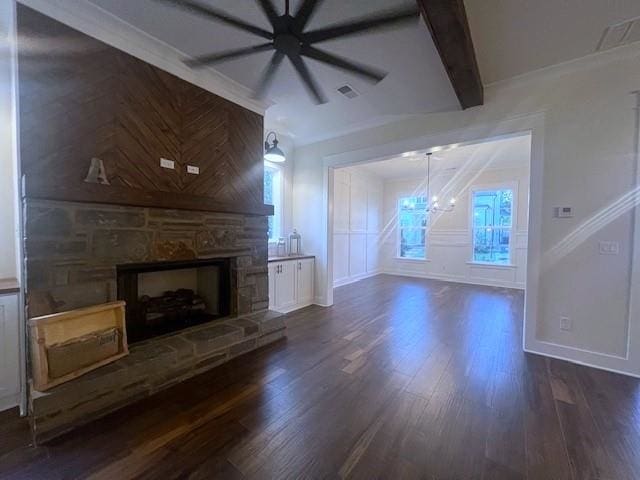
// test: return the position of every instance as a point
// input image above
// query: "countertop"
(291, 257)
(9, 285)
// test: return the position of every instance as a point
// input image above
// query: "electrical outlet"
(165, 163)
(609, 248)
(565, 324)
(193, 170)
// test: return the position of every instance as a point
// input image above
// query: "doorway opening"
(461, 215)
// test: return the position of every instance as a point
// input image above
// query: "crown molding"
(587, 62)
(96, 22)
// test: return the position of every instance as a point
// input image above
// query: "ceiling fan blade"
(368, 73)
(267, 74)
(377, 21)
(205, 60)
(270, 11)
(197, 8)
(304, 14)
(308, 81)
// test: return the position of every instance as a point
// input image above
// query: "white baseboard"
(346, 281)
(585, 364)
(588, 358)
(9, 402)
(293, 308)
(455, 279)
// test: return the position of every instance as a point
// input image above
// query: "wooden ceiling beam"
(447, 22)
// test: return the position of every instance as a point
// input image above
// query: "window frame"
(278, 199)
(513, 186)
(399, 256)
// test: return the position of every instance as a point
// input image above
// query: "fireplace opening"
(165, 297)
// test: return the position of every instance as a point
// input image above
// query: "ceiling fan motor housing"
(287, 43)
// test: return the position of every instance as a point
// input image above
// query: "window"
(492, 222)
(412, 226)
(273, 196)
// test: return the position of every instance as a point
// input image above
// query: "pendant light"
(433, 205)
(271, 151)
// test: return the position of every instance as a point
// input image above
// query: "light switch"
(563, 212)
(193, 170)
(165, 163)
(609, 248)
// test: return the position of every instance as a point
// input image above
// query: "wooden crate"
(59, 328)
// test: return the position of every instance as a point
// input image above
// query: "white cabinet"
(291, 284)
(304, 281)
(286, 297)
(9, 351)
(273, 271)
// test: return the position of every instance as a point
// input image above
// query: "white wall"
(11, 330)
(583, 156)
(8, 196)
(357, 207)
(449, 245)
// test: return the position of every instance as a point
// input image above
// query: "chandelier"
(433, 205)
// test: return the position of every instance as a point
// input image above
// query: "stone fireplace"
(75, 251)
(195, 284)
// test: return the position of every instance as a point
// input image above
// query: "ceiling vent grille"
(619, 34)
(348, 91)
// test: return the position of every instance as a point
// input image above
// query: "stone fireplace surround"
(72, 251)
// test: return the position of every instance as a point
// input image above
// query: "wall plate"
(193, 170)
(609, 248)
(563, 212)
(165, 163)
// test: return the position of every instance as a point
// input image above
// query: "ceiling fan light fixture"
(288, 37)
(272, 153)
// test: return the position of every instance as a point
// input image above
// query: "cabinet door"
(286, 286)
(273, 276)
(9, 350)
(305, 281)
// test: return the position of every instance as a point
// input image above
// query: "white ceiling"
(417, 82)
(512, 37)
(504, 153)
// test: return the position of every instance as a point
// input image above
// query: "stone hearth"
(150, 367)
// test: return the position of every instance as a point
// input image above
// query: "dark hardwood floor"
(401, 379)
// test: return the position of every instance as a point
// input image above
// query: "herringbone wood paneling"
(80, 98)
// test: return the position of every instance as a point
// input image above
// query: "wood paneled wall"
(80, 98)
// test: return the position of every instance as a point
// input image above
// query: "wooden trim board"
(50, 329)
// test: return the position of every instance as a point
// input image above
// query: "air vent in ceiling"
(348, 91)
(619, 34)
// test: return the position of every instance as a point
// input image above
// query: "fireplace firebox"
(164, 297)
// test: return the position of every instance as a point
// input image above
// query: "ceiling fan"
(289, 39)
